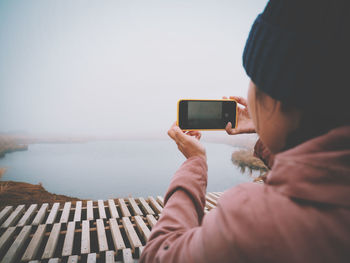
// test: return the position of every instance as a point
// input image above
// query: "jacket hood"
(317, 170)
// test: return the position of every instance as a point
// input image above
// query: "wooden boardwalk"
(115, 230)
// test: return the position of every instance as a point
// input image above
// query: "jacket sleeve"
(182, 214)
(183, 234)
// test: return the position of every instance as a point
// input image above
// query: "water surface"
(111, 169)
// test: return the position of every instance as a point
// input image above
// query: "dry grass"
(2, 171)
(16, 193)
(245, 160)
(4, 187)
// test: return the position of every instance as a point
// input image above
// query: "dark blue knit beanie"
(298, 51)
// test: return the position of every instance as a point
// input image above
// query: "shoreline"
(14, 148)
(9, 144)
(15, 193)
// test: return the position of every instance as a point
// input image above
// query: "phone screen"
(206, 114)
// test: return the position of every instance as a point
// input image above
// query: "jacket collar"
(317, 170)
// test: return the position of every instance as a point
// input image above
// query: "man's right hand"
(244, 122)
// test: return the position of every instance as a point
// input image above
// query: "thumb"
(175, 133)
(180, 136)
(228, 127)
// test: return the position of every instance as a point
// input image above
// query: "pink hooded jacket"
(301, 214)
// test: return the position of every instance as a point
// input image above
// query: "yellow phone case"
(178, 109)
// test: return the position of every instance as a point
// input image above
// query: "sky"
(117, 68)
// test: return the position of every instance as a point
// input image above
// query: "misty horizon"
(113, 68)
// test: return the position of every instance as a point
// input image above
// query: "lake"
(112, 169)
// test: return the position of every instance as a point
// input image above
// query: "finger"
(232, 131)
(179, 135)
(172, 131)
(196, 134)
(192, 133)
(240, 100)
(240, 109)
(224, 98)
(228, 127)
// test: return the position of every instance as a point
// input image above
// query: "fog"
(117, 67)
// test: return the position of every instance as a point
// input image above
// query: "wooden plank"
(5, 213)
(160, 200)
(90, 210)
(141, 226)
(156, 207)
(116, 235)
(11, 220)
(127, 256)
(53, 214)
(14, 251)
(112, 209)
(135, 208)
(213, 193)
(209, 206)
(6, 237)
(210, 200)
(140, 251)
(85, 237)
(34, 244)
(77, 214)
(145, 206)
(131, 233)
(69, 240)
(101, 209)
(215, 197)
(110, 257)
(151, 220)
(123, 207)
(38, 219)
(73, 259)
(91, 258)
(65, 212)
(52, 242)
(27, 216)
(101, 235)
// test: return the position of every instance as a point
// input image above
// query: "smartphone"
(206, 114)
